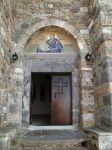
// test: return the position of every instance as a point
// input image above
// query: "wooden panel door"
(61, 100)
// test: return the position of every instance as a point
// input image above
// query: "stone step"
(48, 139)
(64, 148)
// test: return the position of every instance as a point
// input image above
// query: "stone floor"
(41, 120)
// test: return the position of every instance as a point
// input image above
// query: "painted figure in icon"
(52, 45)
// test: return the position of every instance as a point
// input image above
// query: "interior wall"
(40, 106)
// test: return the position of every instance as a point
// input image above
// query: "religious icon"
(52, 45)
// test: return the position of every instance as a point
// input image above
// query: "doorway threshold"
(69, 127)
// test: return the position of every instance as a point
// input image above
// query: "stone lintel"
(50, 55)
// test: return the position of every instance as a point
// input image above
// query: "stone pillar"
(26, 94)
(100, 29)
(87, 95)
(103, 89)
(104, 69)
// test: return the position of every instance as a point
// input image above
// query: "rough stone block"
(24, 25)
(107, 99)
(13, 108)
(25, 117)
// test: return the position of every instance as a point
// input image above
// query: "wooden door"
(61, 100)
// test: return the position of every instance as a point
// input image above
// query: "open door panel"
(61, 100)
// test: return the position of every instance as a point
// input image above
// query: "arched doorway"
(51, 78)
(77, 63)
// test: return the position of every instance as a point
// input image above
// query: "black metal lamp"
(88, 57)
(13, 57)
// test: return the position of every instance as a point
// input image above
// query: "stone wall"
(90, 22)
(27, 14)
(7, 28)
(74, 12)
(100, 29)
(106, 15)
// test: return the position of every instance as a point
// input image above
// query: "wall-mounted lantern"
(13, 57)
(88, 57)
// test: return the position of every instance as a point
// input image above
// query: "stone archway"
(52, 22)
(60, 65)
(20, 50)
